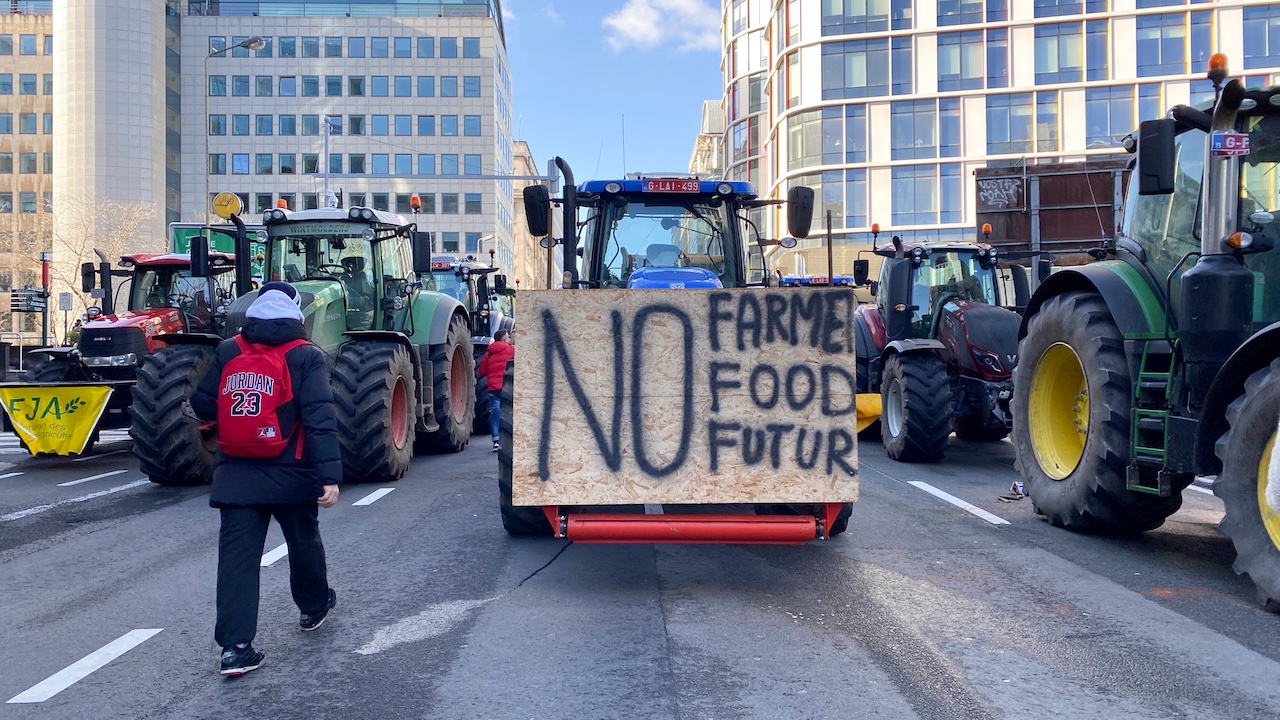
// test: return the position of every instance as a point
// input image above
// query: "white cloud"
(552, 15)
(690, 24)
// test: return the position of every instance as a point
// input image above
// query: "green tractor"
(403, 373)
(1140, 372)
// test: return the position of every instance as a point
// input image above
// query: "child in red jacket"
(492, 367)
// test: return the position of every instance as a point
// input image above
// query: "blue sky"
(578, 67)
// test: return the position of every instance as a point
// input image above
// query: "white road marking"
(81, 669)
(275, 554)
(6, 476)
(1199, 489)
(435, 620)
(993, 519)
(99, 476)
(18, 515)
(373, 497)
(100, 455)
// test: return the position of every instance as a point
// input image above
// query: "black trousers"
(240, 544)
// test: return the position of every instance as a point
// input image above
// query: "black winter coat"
(284, 480)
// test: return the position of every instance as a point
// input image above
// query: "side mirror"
(799, 211)
(499, 284)
(1156, 155)
(875, 288)
(537, 206)
(1044, 268)
(861, 272)
(1021, 285)
(422, 253)
(199, 256)
(87, 277)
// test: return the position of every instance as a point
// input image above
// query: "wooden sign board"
(685, 396)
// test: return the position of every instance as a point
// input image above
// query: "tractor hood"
(673, 278)
(983, 337)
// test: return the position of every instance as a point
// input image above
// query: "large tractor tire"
(1245, 450)
(55, 370)
(454, 368)
(1072, 403)
(481, 422)
(517, 521)
(373, 393)
(167, 440)
(916, 398)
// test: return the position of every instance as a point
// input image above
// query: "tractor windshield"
(636, 232)
(448, 282)
(155, 288)
(335, 251)
(945, 276)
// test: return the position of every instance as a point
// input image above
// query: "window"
(48, 166)
(262, 164)
(404, 125)
(404, 164)
(380, 125)
(27, 123)
(287, 166)
(217, 124)
(310, 124)
(448, 164)
(901, 66)
(266, 50)
(448, 86)
(356, 199)
(333, 47)
(27, 202)
(426, 125)
(262, 85)
(310, 163)
(6, 83)
(355, 125)
(855, 198)
(6, 203)
(470, 47)
(428, 203)
(1059, 53)
(27, 84)
(240, 164)
(449, 125)
(1202, 41)
(310, 86)
(998, 58)
(265, 124)
(288, 47)
(404, 86)
(855, 69)
(1149, 105)
(6, 44)
(355, 86)
(355, 47)
(288, 86)
(263, 202)
(355, 163)
(236, 50)
(472, 204)
(1162, 44)
(378, 86)
(855, 135)
(914, 130)
(915, 195)
(1108, 115)
(239, 124)
(1099, 6)
(959, 12)
(6, 123)
(449, 203)
(950, 137)
(333, 86)
(427, 164)
(381, 164)
(48, 83)
(27, 44)
(48, 46)
(426, 86)
(310, 201)
(855, 17)
(1009, 125)
(403, 47)
(6, 163)
(426, 47)
(310, 47)
(448, 47)
(217, 86)
(1261, 36)
(27, 164)
(288, 199)
(378, 47)
(240, 85)
(1047, 121)
(471, 125)
(1057, 8)
(473, 242)
(335, 163)
(960, 61)
(471, 164)
(951, 202)
(449, 240)
(335, 124)
(1097, 46)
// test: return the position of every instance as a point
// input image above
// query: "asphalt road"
(922, 610)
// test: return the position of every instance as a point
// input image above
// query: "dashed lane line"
(99, 476)
(18, 515)
(968, 507)
(6, 476)
(274, 555)
(373, 497)
(83, 667)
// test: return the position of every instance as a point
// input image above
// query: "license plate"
(673, 186)
(1229, 144)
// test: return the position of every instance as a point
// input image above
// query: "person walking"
(268, 391)
(492, 366)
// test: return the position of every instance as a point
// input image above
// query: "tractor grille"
(99, 342)
(993, 329)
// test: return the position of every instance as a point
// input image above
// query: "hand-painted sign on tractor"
(639, 396)
(57, 420)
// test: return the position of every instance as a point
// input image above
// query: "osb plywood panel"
(685, 396)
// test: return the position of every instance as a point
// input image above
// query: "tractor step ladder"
(1149, 439)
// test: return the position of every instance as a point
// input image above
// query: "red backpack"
(255, 384)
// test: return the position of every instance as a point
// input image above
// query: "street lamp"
(254, 43)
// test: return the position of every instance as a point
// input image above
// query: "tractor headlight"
(125, 360)
(987, 361)
(366, 213)
(613, 187)
(724, 188)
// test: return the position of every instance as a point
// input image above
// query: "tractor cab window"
(947, 276)
(1260, 192)
(172, 287)
(636, 234)
(343, 256)
(449, 283)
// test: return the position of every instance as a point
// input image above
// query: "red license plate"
(680, 186)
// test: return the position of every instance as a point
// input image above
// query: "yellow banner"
(56, 420)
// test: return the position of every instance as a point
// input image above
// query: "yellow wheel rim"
(1058, 411)
(1269, 518)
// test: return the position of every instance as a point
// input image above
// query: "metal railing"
(30, 7)
(266, 8)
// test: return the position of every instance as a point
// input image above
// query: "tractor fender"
(1133, 304)
(415, 357)
(1255, 354)
(208, 339)
(444, 311)
(912, 345)
(53, 353)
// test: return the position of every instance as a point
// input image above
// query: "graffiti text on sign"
(1000, 193)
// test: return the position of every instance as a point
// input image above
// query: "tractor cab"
(917, 281)
(160, 282)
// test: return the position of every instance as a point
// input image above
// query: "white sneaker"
(496, 447)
